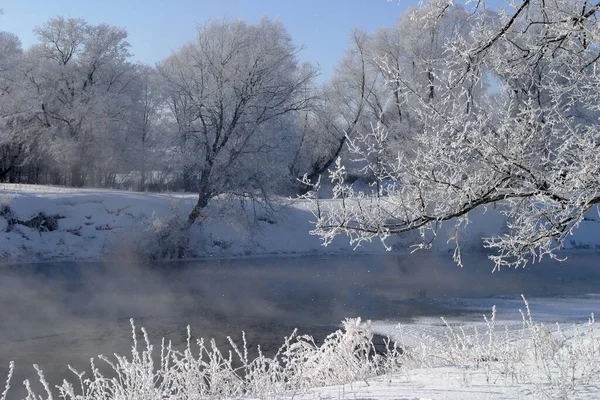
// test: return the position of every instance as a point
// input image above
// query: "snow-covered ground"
(458, 359)
(96, 224)
(419, 384)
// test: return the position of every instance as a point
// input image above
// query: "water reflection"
(59, 314)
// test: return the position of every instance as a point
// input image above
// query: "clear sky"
(158, 27)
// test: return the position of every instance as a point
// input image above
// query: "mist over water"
(60, 314)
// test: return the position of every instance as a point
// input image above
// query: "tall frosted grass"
(550, 362)
(202, 371)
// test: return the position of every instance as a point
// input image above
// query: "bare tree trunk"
(188, 178)
(55, 177)
(142, 187)
(203, 196)
(430, 86)
(77, 175)
(143, 181)
(9, 162)
(314, 175)
(5, 172)
(359, 42)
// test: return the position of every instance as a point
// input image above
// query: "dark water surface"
(59, 314)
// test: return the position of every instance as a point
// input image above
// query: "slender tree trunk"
(430, 87)
(143, 172)
(5, 172)
(54, 177)
(143, 181)
(77, 175)
(12, 162)
(203, 196)
(142, 187)
(188, 178)
(314, 175)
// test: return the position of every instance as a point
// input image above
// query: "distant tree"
(11, 145)
(78, 78)
(411, 55)
(146, 150)
(369, 88)
(148, 112)
(532, 148)
(230, 93)
(350, 101)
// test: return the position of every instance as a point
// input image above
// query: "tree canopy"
(230, 92)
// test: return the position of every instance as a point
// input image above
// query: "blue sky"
(156, 28)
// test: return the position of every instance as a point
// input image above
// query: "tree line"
(233, 111)
(450, 108)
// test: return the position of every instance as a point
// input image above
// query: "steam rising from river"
(59, 314)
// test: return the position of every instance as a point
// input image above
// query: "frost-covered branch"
(531, 147)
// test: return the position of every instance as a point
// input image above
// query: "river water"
(59, 314)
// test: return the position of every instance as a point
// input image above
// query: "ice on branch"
(530, 145)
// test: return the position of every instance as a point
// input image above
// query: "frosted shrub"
(555, 363)
(167, 237)
(201, 370)
(343, 357)
(170, 236)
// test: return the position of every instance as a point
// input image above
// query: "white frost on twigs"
(532, 147)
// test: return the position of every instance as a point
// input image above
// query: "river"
(65, 313)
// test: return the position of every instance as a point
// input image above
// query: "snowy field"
(96, 224)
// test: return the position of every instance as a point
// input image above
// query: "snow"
(426, 383)
(547, 310)
(465, 380)
(96, 224)
(99, 224)
(89, 225)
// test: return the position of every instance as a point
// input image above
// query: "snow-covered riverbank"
(511, 355)
(95, 224)
(42, 223)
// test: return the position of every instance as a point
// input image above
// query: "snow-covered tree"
(11, 146)
(78, 78)
(368, 85)
(230, 92)
(532, 148)
(410, 56)
(352, 100)
(146, 143)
